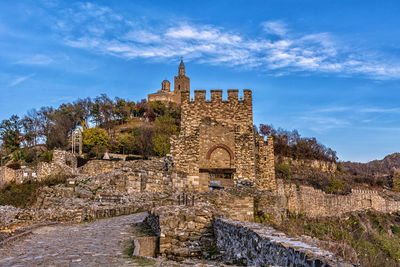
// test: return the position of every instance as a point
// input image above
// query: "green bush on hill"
(25, 194)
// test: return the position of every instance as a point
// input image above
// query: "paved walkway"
(99, 243)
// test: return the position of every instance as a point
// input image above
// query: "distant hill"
(375, 168)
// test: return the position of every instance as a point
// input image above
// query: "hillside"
(375, 167)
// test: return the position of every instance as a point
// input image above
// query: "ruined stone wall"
(63, 163)
(147, 180)
(139, 176)
(95, 167)
(260, 245)
(183, 230)
(265, 164)
(62, 157)
(7, 175)
(207, 126)
(236, 207)
(316, 203)
(25, 174)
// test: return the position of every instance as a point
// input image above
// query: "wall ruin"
(316, 203)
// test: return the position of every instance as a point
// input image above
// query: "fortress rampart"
(217, 139)
(316, 203)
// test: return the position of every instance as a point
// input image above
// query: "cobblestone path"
(99, 243)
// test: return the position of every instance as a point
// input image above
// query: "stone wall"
(138, 176)
(183, 230)
(260, 245)
(265, 164)
(63, 163)
(95, 167)
(7, 175)
(25, 174)
(316, 203)
(237, 207)
(62, 158)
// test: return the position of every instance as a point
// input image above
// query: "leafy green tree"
(103, 112)
(123, 109)
(95, 141)
(159, 107)
(10, 132)
(127, 144)
(165, 127)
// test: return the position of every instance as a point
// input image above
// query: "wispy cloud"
(274, 27)
(321, 124)
(323, 119)
(19, 80)
(35, 60)
(276, 50)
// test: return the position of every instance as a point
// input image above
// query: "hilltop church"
(181, 84)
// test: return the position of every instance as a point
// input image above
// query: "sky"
(330, 69)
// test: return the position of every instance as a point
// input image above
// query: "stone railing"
(259, 245)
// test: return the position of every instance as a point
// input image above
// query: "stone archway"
(220, 156)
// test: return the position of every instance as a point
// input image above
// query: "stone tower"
(181, 82)
(165, 86)
(217, 143)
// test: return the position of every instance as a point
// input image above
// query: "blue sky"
(330, 69)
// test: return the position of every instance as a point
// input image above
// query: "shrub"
(21, 195)
(14, 165)
(18, 155)
(46, 156)
(25, 194)
(129, 158)
(335, 186)
(30, 156)
(283, 170)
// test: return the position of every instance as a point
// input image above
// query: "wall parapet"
(217, 96)
(260, 245)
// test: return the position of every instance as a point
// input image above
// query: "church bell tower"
(181, 82)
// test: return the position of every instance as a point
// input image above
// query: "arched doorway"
(220, 162)
(220, 156)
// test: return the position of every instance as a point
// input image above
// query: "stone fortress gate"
(217, 143)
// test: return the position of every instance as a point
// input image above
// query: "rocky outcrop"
(304, 164)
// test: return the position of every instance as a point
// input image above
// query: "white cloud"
(19, 80)
(35, 60)
(100, 29)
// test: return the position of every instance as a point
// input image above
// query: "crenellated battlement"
(217, 96)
